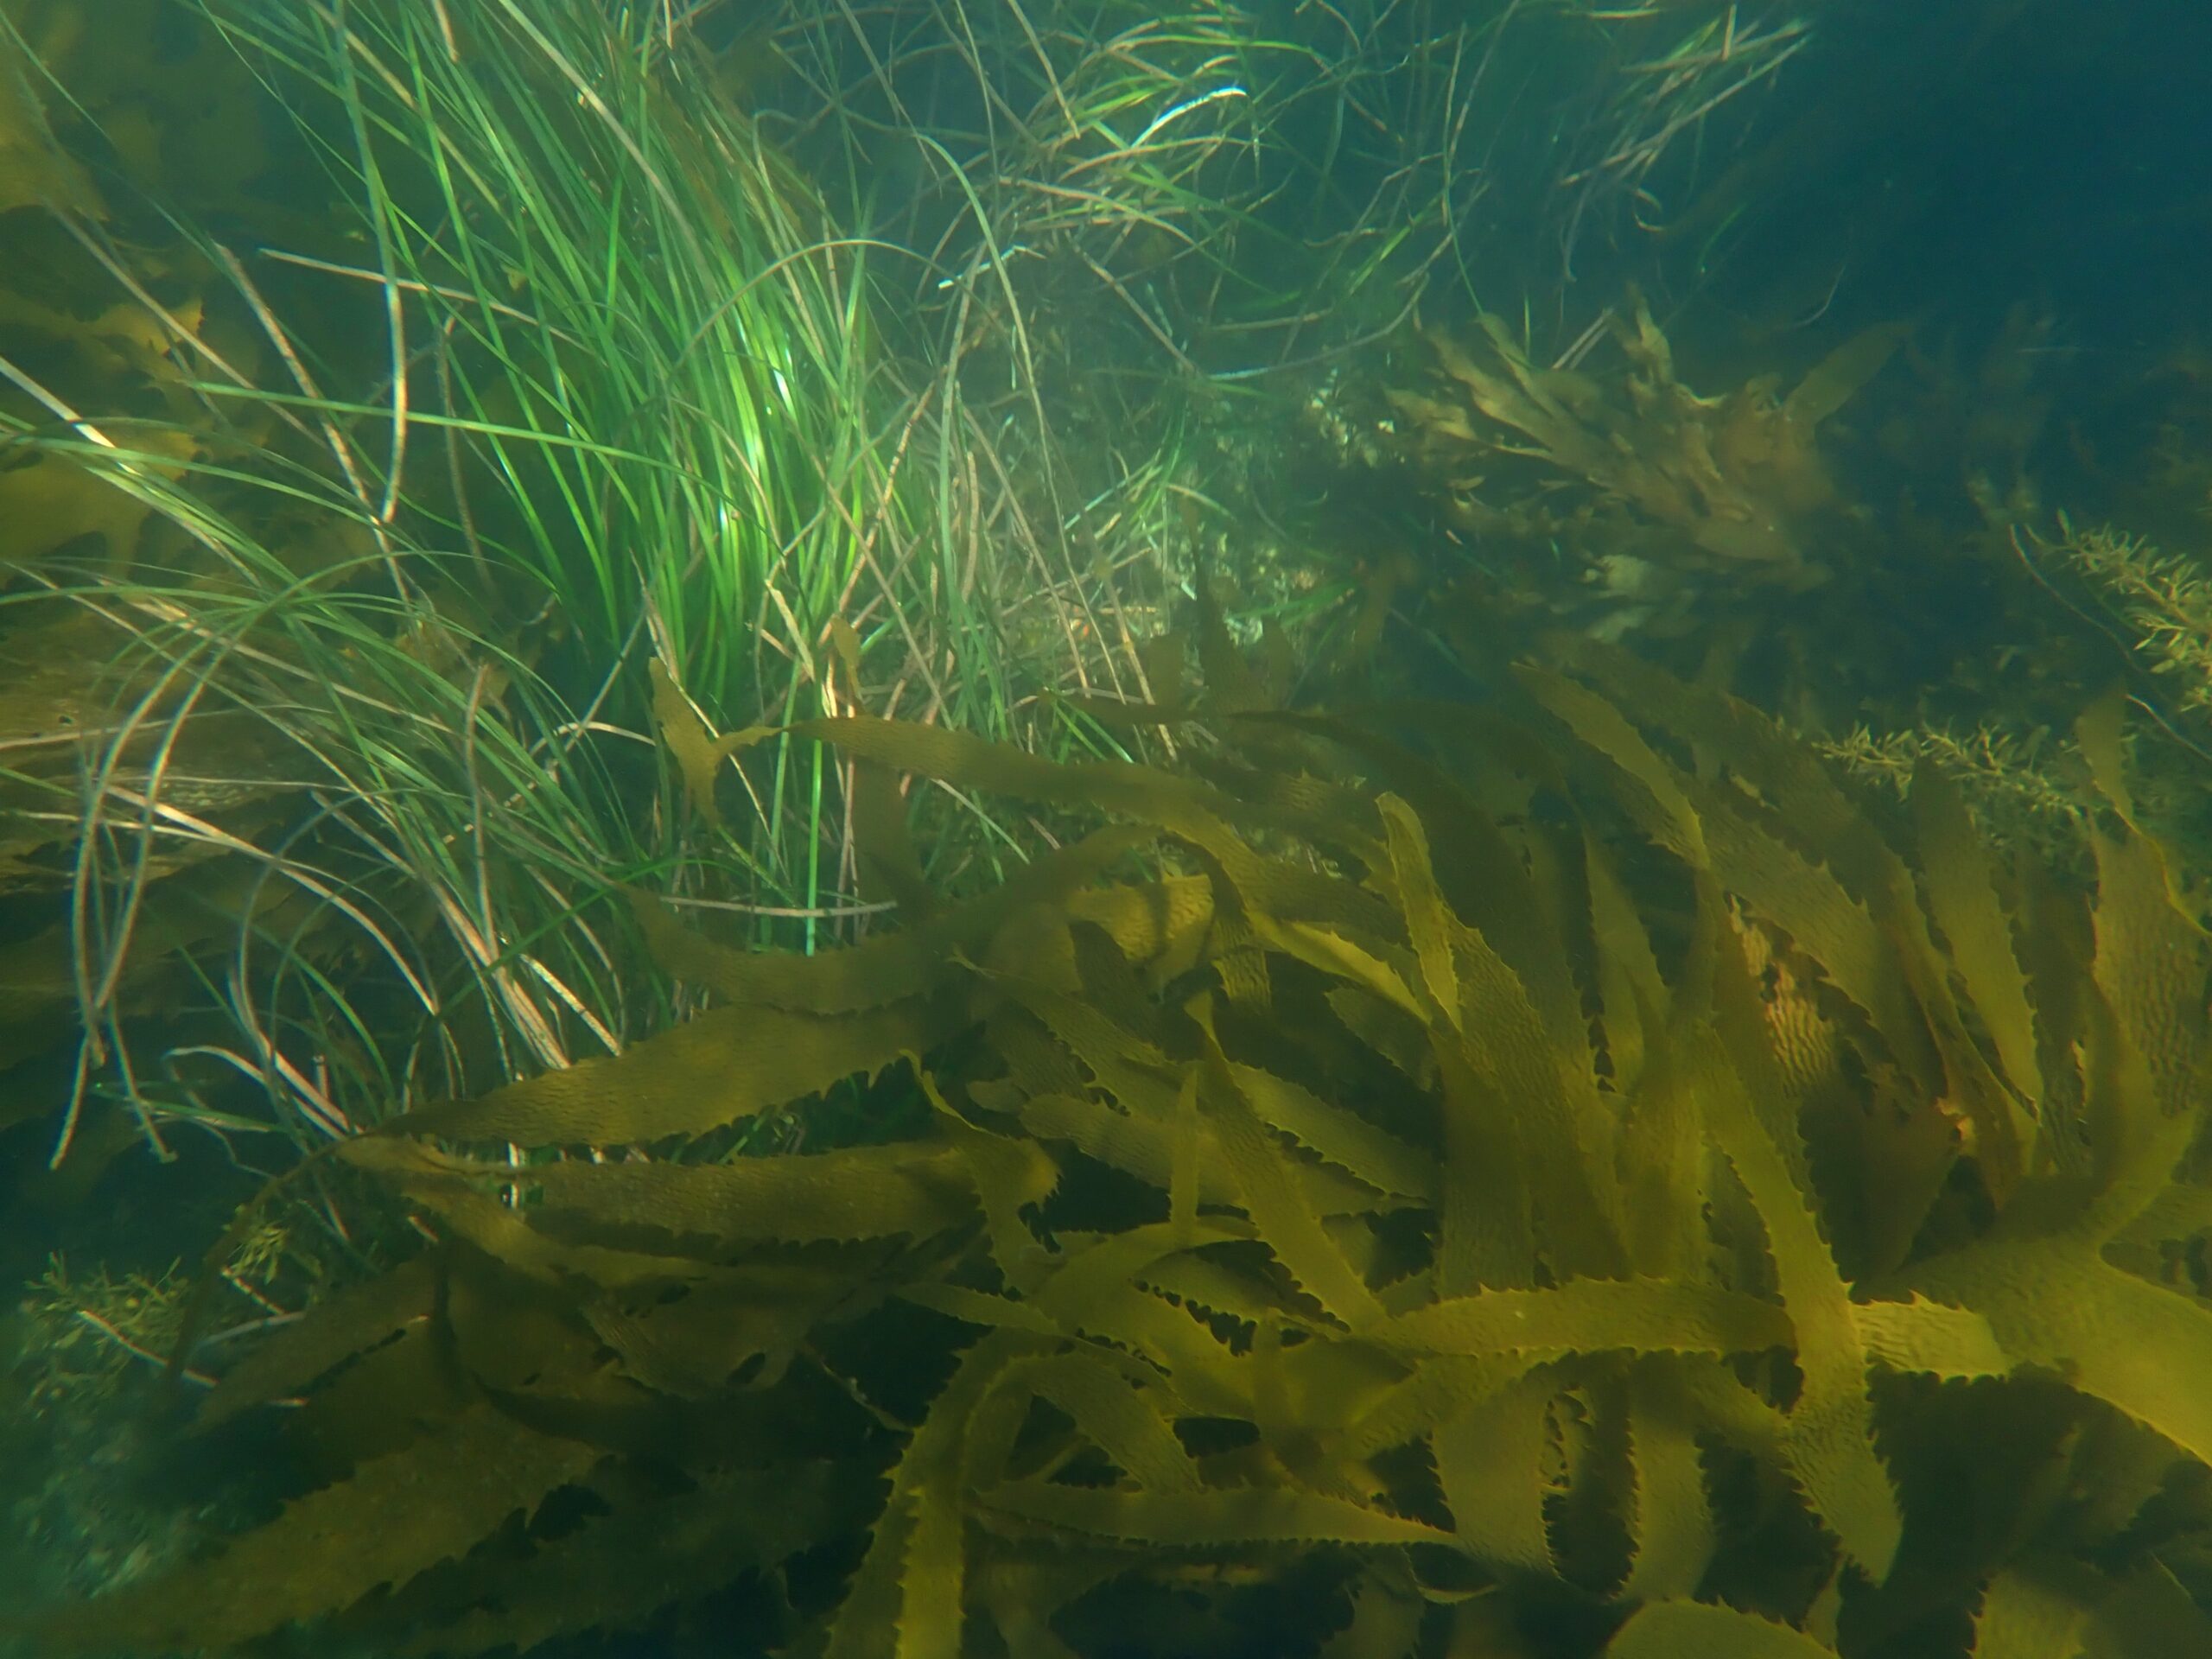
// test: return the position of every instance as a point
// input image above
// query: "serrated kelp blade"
(692, 744)
(1145, 1146)
(2150, 1614)
(2030, 1615)
(1480, 871)
(872, 1619)
(1786, 773)
(1486, 1234)
(358, 1318)
(617, 1571)
(396, 1517)
(1089, 1272)
(1645, 784)
(1207, 1519)
(454, 1190)
(2053, 1302)
(1274, 1201)
(1699, 1630)
(1813, 866)
(1928, 1337)
(1369, 963)
(1592, 1316)
(1832, 1423)
(1337, 1135)
(1125, 1419)
(1662, 1159)
(1491, 1460)
(933, 1577)
(1832, 927)
(1962, 901)
(726, 1065)
(1435, 1389)
(1672, 1535)
(1020, 1595)
(1632, 993)
(1008, 1174)
(848, 1193)
(1386, 1620)
(1429, 923)
(2150, 966)
(885, 860)
(893, 967)
(1842, 374)
(960, 758)
(1560, 1129)
(1124, 1063)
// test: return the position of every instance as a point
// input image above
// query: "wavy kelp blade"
(697, 752)
(971, 762)
(889, 866)
(395, 1517)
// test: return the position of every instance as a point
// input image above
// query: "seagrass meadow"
(1018, 829)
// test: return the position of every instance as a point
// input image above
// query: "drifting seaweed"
(1651, 484)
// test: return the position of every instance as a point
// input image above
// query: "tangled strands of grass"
(1664, 94)
(621, 393)
(375, 637)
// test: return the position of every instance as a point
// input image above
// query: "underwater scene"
(1049, 829)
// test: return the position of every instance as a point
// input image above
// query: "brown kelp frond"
(1654, 473)
(1417, 1200)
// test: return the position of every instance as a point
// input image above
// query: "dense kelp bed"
(1569, 1183)
(1669, 1122)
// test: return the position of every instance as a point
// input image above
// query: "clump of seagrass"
(1564, 1197)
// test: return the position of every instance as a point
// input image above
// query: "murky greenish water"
(1290, 830)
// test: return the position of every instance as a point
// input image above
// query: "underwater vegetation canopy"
(1610, 1205)
(1360, 1127)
